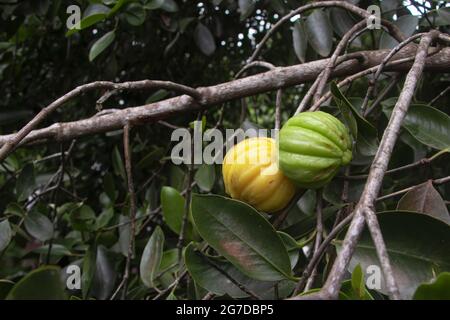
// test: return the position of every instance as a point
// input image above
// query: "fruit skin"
(313, 146)
(250, 174)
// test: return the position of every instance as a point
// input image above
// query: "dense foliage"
(73, 208)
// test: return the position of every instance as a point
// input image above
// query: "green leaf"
(319, 31)
(43, 283)
(418, 247)
(300, 40)
(291, 247)
(358, 281)
(39, 226)
(135, 14)
(5, 234)
(89, 266)
(367, 137)
(407, 24)
(207, 276)
(424, 198)
(239, 233)
(439, 289)
(151, 257)
(427, 124)
(101, 44)
(205, 177)
(26, 182)
(204, 39)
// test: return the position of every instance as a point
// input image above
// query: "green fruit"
(313, 146)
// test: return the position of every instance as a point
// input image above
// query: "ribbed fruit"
(313, 146)
(250, 174)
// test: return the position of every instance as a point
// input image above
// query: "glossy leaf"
(135, 14)
(342, 23)
(89, 267)
(407, 24)
(242, 236)
(93, 14)
(203, 272)
(439, 289)
(424, 198)
(5, 287)
(418, 247)
(26, 182)
(246, 8)
(5, 234)
(101, 44)
(39, 226)
(300, 40)
(204, 39)
(319, 31)
(104, 280)
(43, 283)
(205, 177)
(153, 4)
(151, 257)
(427, 124)
(170, 6)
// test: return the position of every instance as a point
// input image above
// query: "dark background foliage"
(196, 43)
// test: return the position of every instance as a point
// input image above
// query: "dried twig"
(378, 168)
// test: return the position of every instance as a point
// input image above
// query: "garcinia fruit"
(250, 174)
(313, 146)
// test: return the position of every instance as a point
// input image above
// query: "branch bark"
(371, 189)
(280, 77)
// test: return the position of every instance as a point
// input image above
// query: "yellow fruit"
(250, 174)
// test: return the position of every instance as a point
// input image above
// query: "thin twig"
(134, 85)
(380, 246)
(131, 194)
(372, 81)
(378, 168)
(395, 32)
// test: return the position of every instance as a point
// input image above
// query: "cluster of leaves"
(75, 212)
